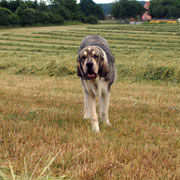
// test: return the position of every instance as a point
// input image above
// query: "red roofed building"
(146, 16)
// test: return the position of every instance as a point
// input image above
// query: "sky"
(105, 1)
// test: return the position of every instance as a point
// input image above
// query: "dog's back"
(96, 40)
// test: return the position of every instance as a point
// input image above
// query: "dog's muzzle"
(90, 74)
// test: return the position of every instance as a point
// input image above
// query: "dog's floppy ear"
(103, 66)
(80, 71)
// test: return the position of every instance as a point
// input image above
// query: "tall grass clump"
(149, 72)
(9, 174)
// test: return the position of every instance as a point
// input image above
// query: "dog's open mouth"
(91, 76)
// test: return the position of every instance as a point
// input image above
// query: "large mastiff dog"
(96, 67)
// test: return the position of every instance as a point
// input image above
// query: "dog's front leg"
(86, 105)
(91, 99)
(105, 97)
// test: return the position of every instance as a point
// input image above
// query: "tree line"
(20, 12)
(125, 9)
(32, 12)
(165, 8)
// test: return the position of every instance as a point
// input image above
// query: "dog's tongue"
(91, 75)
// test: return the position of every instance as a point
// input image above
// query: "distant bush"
(91, 20)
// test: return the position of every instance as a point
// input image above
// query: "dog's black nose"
(89, 64)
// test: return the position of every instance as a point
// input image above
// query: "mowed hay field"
(42, 133)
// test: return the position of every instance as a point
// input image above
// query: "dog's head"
(91, 62)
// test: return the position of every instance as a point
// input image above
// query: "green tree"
(67, 8)
(88, 7)
(7, 17)
(26, 15)
(165, 8)
(42, 6)
(125, 9)
(13, 5)
(4, 4)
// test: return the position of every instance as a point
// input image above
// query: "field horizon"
(42, 131)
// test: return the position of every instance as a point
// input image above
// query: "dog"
(96, 68)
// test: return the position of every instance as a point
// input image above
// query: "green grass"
(42, 133)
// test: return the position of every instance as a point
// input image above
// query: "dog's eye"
(95, 56)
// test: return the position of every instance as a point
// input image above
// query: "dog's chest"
(95, 86)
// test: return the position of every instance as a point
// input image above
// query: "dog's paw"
(107, 123)
(95, 127)
(105, 120)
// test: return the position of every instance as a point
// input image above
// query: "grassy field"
(42, 133)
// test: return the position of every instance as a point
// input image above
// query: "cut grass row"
(111, 37)
(161, 65)
(149, 28)
(118, 36)
(128, 34)
(118, 44)
(74, 47)
(112, 43)
(38, 46)
(39, 37)
(125, 32)
(25, 40)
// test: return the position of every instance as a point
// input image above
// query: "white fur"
(92, 89)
